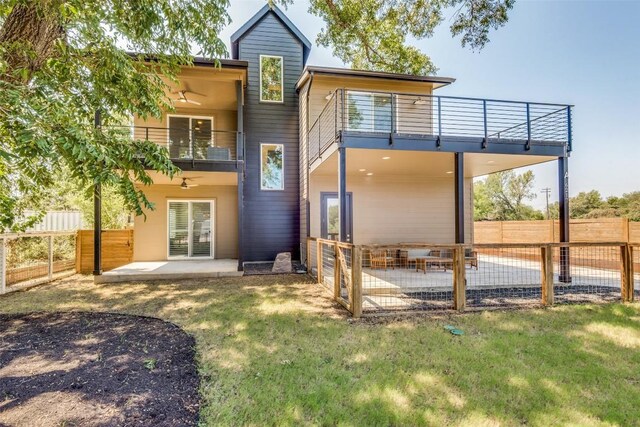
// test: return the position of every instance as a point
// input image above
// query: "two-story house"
(273, 150)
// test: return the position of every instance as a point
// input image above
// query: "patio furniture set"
(420, 259)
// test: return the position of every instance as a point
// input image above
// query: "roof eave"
(346, 72)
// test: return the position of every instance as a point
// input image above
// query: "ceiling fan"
(187, 97)
(186, 186)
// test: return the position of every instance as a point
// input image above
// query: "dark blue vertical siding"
(271, 218)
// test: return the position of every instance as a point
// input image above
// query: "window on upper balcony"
(271, 85)
(189, 136)
(368, 112)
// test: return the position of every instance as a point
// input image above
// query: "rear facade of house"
(273, 151)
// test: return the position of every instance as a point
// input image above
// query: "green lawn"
(276, 350)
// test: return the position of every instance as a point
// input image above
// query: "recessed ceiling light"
(449, 171)
(362, 170)
(386, 158)
(370, 173)
(491, 162)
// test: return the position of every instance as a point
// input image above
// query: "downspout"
(308, 204)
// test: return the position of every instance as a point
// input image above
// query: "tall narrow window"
(271, 87)
(271, 167)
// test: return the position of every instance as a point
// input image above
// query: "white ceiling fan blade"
(191, 101)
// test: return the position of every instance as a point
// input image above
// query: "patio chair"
(380, 258)
(415, 258)
(446, 259)
(218, 153)
(471, 258)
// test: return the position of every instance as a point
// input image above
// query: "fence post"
(3, 265)
(625, 230)
(307, 256)
(631, 275)
(50, 269)
(356, 281)
(319, 260)
(546, 262)
(625, 277)
(78, 251)
(336, 272)
(459, 280)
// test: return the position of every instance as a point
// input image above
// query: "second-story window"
(369, 112)
(189, 137)
(271, 87)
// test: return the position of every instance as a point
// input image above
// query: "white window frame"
(281, 79)
(372, 113)
(212, 204)
(261, 162)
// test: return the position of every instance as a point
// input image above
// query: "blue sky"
(585, 53)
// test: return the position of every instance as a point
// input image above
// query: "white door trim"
(212, 221)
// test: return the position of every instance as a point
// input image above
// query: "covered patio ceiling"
(213, 88)
(423, 163)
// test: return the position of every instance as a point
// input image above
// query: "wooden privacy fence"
(413, 277)
(117, 249)
(548, 231)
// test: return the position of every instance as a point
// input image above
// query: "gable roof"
(242, 31)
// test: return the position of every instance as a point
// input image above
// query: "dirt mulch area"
(96, 369)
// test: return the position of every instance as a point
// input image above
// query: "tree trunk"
(29, 35)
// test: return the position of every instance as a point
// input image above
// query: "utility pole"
(546, 192)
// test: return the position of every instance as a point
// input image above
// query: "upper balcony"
(405, 121)
(195, 147)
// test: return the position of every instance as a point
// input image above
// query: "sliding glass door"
(190, 227)
(368, 112)
(190, 137)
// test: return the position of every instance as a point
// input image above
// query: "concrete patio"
(171, 270)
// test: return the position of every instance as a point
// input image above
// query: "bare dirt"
(96, 369)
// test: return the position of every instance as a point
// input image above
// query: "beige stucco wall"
(150, 236)
(394, 209)
(222, 119)
(323, 85)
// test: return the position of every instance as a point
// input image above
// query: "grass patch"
(275, 350)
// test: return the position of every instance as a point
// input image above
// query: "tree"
(483, 208)
(63, 60)
(585, 202)
(60, 61)
(371, 34)
(501, 197)
(68, 194)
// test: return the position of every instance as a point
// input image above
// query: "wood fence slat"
(459, 280)
(546, 231)
(117, 249)
(356, 281)
(546, 273)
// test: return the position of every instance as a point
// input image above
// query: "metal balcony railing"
(438, 116)
(189, 144)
